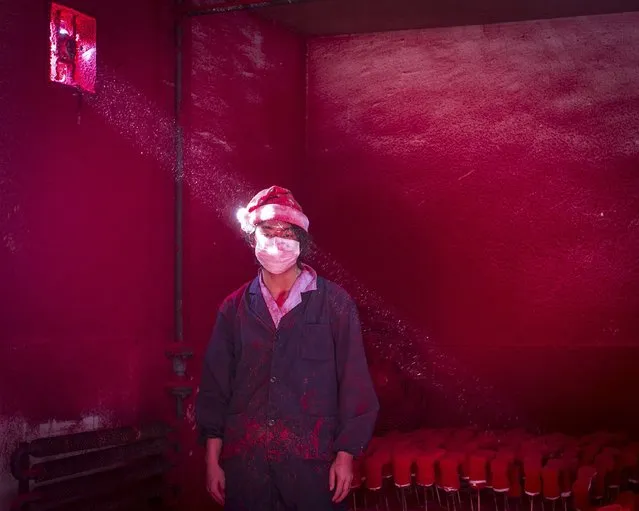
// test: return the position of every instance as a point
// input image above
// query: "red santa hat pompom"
(274, 203)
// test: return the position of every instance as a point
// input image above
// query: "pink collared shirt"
(306, 281)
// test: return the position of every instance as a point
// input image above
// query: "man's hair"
(304, 238)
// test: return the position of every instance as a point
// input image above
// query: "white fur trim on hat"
(242, 217)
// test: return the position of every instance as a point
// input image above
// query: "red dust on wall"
(483, 181)
(86, 223)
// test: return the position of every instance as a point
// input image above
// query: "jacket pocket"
(317, 342)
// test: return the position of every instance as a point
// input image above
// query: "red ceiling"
(330, 17)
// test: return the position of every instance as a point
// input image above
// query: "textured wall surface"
(86, 224)
(483, 182)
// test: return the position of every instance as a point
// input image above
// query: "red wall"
(244, 125)
(483, 181)
(474, 188)
(86, 222)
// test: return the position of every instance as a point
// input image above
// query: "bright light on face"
(64, 31)
(277, 229)
(275, 225)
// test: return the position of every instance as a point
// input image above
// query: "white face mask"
(276, 255)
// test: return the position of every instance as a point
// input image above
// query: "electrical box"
(72, 46)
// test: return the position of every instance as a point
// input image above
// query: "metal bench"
(107, 469)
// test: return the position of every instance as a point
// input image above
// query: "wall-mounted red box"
(72, 44)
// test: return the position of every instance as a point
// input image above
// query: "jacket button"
(273, 379)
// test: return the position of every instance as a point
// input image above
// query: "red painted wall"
(474, 188)
(244, 125)
(483, 181)
(86, 222)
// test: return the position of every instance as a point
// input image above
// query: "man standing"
(286, 399)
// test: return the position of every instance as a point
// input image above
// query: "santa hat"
(274, 203)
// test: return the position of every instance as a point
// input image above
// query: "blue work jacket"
(302, 390)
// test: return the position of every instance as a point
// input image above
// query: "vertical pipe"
(179, 178)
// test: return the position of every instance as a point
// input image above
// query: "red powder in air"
(254, 435)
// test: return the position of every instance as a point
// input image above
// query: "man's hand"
(341, 476)
(215, 481)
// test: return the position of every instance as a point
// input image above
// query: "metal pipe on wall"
(179, 182)
(179, 354)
